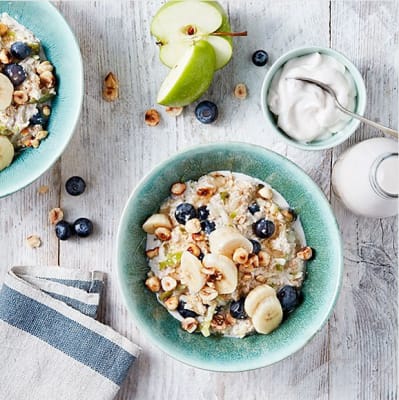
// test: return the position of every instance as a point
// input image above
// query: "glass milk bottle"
(366, 178)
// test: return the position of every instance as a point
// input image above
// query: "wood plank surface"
(355, 354)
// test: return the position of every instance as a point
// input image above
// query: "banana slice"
(190, 272)
(256, 296)
(156, 221)
(6, 91)
(227, 270)
(264, 308)
(268, 315)
(6, 152)
(226, 240)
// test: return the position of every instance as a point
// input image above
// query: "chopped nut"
(193, 225)
(35, 143)
(247, 277)
(264, 258)
(47, 79)
(46, 111)
(152, 117)
(198, 237)
(194, 249)
(178, 188)
(25, 132)
(110, 87)
(240, 91)
(153, 284)
(306, 253)
(206, 191)
(168, 283)
(55, 215)
(5, 57)
(218, 322)
(240, 256)
(44, 66)
(254, 260)
(260, 279)
(174, 111)
(151, 253)
(246, 267)
(33, 241)
(289, 215)
(43, 189)
(20, 97)
(3, 29)
(189, 324)
(266, 193)
(171, 303)
(207, 294)
(41, 135)
(163, 233)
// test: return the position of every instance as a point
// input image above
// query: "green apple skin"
(171, 52)
(190, 78)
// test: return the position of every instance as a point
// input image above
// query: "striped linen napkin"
(51, 346)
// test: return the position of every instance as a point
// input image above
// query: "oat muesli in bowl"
(227, 255)
(27, 86)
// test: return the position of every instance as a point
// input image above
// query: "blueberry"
(83, 227)
(289, 298)
(203, 213)
(208, 226)
(263, 228)
(63, 230)
(237, 309)
(256, 246)
(184, 312)
(15, 73)
(75, 185)
(260, 58)
(20, 50)
(38, 119)
(201, 256)
(253, 208)
(206, 112)
(184, 212)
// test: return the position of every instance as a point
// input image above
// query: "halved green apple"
(180, 23)
(190, 77)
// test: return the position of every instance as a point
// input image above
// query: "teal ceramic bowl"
(320, 289)
(62, 49)
(338, 137)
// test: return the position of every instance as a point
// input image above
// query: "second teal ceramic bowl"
(61, 48)
(320, 289)
(338, 137)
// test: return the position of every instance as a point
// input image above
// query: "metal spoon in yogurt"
(330, 91)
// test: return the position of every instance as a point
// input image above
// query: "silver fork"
(331, 92)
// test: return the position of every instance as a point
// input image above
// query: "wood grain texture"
(354, 356)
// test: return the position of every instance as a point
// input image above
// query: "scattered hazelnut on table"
(240, 91)
(174, 111)
(55, 215)
(43, 189)
(33, 241)
(110, 87)
(152, 117)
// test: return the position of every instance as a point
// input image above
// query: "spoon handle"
(383, 128)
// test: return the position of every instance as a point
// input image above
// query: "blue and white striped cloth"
(51, 346)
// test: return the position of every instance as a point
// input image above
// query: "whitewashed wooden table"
(355, 354)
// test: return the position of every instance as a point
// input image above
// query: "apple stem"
(244, 33)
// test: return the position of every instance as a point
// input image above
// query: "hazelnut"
(264, 258)
(218, 322)
(43, 189)
(207, 294)
(33, 241)
(153, 284)
(266, 193)
(47, 79)
(110, 87)
(206, 191)
(46, 111)
(20, 97)
(168, 283)
(55, 215)
(5, 57)
(194, 249)
(289, 215)
(178, 188)
(240, 91)
(254, 260)
(193, 225)
(240, 256)
(151, 253)
(44, 66)
(174, 111)
(35, 143)
(198, 237)
(189, 324)
(3, 29)
(306, 253)
(163, 233)
(152, 117)
(247, 276)
(41, 135)
(171, 303)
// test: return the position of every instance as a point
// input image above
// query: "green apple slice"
(190, 77)
(179, 23)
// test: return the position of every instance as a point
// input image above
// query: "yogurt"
(304, 111)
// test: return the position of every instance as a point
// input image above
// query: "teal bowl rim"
(337, 138)
(32, 176)
(146, 329)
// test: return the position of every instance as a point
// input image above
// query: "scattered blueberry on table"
(206, 112)
(83, 227)
(75, 185)
(260, 58)
(63, 230)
